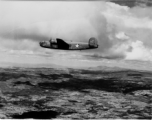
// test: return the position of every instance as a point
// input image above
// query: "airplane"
(58, 43)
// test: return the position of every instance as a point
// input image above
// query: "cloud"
(121, 31)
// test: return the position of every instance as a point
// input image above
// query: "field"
(99, 92)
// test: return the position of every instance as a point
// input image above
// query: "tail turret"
(93, 42)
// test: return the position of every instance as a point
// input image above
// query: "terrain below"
(75, 93)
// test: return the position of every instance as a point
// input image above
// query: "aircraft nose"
(41, 43)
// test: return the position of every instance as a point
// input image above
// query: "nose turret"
(41, 43)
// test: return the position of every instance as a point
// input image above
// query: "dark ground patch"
(51, 92)
(36, 115)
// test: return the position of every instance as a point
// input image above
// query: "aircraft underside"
(70, 47)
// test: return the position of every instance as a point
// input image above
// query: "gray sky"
(122, 32)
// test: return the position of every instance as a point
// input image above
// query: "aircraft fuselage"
(61, 44)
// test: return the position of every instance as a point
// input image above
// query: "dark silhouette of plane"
(61, 44)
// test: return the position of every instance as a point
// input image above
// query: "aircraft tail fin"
(93, 42)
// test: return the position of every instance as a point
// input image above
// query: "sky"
(123, 33)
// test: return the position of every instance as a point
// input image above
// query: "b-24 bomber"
(58, 43)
